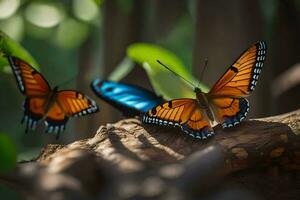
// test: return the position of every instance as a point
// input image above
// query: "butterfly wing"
(34, 110)
(241, 77)
(230, 111)
(226, 97)
(129, 99)
(76, 104)
(30, 81)
(56, 119)
(32, 84)
(198, 125)
(184, 113)
(68, 103)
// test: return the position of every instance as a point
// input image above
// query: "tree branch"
(143, 161)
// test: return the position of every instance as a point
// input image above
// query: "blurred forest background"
(80, 40)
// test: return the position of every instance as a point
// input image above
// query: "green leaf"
(121, 70)
(8, 153)
(163, 81)
(10, 47)
(168, 85)
(98, 2)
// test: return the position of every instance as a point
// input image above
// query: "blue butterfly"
(131, 100)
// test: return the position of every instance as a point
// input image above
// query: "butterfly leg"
(24, 120)
(57, 136)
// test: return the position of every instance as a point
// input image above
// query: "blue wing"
(129, 99)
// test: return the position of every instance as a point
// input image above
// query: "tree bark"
(129, 160)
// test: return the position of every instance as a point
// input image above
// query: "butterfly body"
(203, 103)
(225, 103)
(50, 99)
(42, 103)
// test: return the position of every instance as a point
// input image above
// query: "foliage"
(71, 30)
(98, 2)
(10, 47)
(8, 153)
(121, 70)
(66, 24)
(164, 82)
(181, 40)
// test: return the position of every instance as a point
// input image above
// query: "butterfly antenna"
(27, 128)
(176, 74)
(203, 70)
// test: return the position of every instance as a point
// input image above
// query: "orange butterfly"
(225, 103)
(42, 103)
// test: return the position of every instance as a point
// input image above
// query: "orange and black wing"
(32, 84)
(198, 125)
(34, 111)
(241, 77)
(229, 111)
(184, 113)
(76, 104)
(227, 96)
(56, 119)
(29, 80)
(68, 103)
